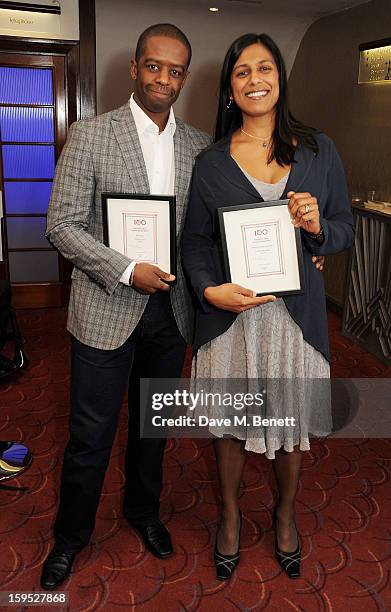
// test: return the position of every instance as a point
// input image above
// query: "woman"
(262, 153)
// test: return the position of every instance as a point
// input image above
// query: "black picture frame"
(109, 198)
(297, 235)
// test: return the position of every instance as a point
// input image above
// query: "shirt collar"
(145, 123)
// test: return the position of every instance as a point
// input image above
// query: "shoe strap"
(289, 558)
(226, 560)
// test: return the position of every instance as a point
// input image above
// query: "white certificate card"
(142, 227)
(261, 247)
(140, 236)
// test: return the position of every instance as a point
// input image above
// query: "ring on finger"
(307, 208)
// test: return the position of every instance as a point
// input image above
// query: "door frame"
(80, 75)
(80, 55)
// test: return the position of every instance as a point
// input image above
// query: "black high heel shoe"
(226, 564)
(288, 561)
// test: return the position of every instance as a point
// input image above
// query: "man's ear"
(185, 78)
(133, 69)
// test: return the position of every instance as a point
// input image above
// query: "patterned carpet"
(343, 508)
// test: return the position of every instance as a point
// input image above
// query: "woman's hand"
(318, 261)
(304, 211)
(234, 297)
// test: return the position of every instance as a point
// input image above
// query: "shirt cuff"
(126, 276)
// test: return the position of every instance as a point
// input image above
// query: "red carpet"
(343, 508)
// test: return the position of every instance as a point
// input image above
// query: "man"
(125, 320)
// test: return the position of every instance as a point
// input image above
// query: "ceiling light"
(214, 9)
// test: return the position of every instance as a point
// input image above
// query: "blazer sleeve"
(199, 249)
(71, 207)
(337, 218)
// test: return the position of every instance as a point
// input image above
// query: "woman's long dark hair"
(287, 127)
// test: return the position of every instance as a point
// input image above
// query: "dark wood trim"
(375, 44)
(60, 96)
(24, 215)
(50, 46)
(30, 249)
(4, 267)
(31, 7)
(87, 31)
(5, 105)
(27, 144)
(73, 85)
(28, 180)
(4, 271)
(37, 295)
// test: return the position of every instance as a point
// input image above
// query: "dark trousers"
(98, 383)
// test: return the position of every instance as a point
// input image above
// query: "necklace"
(265, 141)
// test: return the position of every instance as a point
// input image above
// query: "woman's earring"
(230, 103)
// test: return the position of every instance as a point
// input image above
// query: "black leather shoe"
(156, 538)
(56, 569)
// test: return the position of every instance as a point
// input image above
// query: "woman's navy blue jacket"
(218, 181)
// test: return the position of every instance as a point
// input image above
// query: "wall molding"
(87, 29)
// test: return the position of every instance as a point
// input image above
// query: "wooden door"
(33, 126)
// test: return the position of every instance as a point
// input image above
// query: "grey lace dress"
(266, 343)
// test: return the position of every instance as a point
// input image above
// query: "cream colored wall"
(64, 26)
(119, 23)
(324, 91)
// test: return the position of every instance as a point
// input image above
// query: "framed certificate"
(142, 227)
(261, 248)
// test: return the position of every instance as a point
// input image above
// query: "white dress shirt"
(158, 153)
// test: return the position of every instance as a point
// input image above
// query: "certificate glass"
(142, 227)
(262, 249)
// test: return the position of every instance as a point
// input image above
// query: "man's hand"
(318, 260)
(148, 279)
(234, 297)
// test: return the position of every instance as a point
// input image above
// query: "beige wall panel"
(62, 27)
(324, 92)
(119, 23)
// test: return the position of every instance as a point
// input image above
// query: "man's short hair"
(162, 29)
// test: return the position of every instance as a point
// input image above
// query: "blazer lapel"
(299, 171)
(125, 132)
(300, 168)
(231, 171)
(238, 178)
(183, 163)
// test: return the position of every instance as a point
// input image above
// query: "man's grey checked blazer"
(104, 154)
